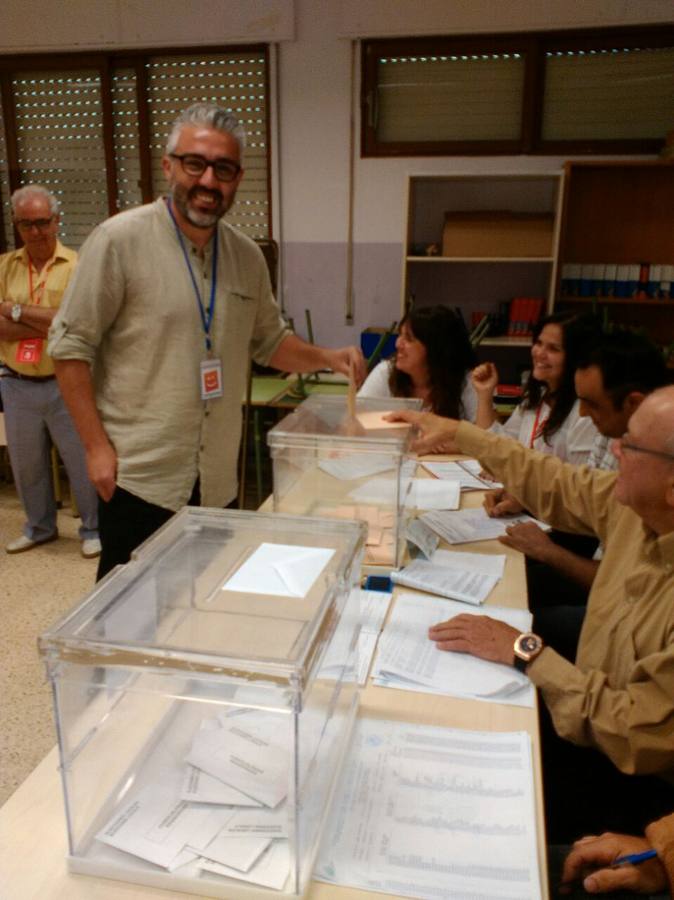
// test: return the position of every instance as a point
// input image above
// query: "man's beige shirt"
(16, 273)
(619, 696)
(131, 312)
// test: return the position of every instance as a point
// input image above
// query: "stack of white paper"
(465, 471)
(424, 493)
(435, 814)
(467, 525)
(409, 660)
(468, 577)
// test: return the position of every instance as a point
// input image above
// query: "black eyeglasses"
(27, 224)
(625, 444)
(195, 165)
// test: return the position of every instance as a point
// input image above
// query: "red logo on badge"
(211, 381)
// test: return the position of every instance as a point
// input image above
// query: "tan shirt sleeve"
(633, 726)
(91, 302)
(572, 498)
(661, 836)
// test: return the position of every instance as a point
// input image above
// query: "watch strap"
(520, 664)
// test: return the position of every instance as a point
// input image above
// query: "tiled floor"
(36, 588)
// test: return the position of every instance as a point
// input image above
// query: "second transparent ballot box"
(328, 463)
(204, 696)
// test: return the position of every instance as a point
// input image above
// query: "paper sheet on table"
(465, 525)
(406, 654)
(487, 563)
(435, 814)
(466, 585)
(424, 493)
(271, 870)
(156, 825)
(373, 420)
(247, 754)
(465, 471)
(280, 569)
(419, 535)
(373, 608)
(356, 465)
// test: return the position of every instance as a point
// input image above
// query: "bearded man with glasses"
(32, 282)
(167, 307)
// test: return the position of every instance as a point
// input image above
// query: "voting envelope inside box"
(200, 734)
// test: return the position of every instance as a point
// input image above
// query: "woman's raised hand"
(484, 378)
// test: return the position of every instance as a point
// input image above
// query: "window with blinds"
(474, 97)
(239, 84)
(95, 133)
(608, 94)
(59, 140)
(598, 91)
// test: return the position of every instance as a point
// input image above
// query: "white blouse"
(572, 442)
(376, 385)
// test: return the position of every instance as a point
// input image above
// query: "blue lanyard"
(205, 319)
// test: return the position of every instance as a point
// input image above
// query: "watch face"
(529, 643)
(527, 646)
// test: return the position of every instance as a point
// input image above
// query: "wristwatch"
(16, 312)
(526, 648)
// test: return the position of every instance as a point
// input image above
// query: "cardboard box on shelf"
(497, 233)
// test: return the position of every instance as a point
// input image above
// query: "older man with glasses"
(169, 304)
(609, 762)
(32, 282)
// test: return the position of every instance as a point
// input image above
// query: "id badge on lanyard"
(29, 350)
(210, 370)
(211, 379)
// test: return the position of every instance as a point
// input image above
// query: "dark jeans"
(585, 793)
(125, 521)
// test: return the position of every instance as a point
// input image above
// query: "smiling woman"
(432, 361)
(548, 418)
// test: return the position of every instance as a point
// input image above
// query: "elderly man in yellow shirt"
(32, 282)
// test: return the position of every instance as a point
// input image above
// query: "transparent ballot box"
(327, 463)
(204, 697)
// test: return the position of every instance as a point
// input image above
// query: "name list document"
(409, 660)
(434, 813)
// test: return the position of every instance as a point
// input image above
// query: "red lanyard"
(534, 431)
(37, 298)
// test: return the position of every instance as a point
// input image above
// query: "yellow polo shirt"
(48, 289)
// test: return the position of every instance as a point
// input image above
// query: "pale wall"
(315, 89)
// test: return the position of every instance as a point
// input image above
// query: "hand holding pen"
(613, 862)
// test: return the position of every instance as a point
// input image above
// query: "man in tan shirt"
(616, 701)
(32, 282)
(153, 341)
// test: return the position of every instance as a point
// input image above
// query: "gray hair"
(34, 190)
(211, 115)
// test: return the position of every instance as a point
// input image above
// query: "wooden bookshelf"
(620, 213)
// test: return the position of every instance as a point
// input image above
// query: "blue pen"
(633, 859)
